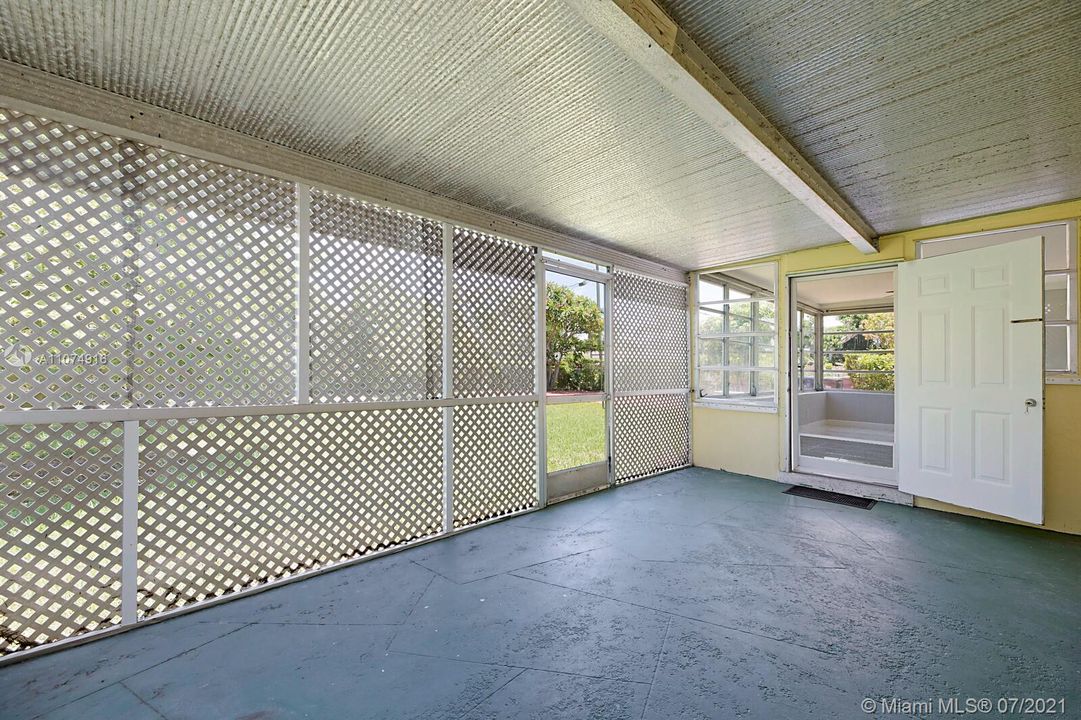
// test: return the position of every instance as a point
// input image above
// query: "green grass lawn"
(575, 435)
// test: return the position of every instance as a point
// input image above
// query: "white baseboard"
(848, 487)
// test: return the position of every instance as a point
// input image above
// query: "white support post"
(304, 226)
(819, 376)
(448, 376)
(541, 381)
(129, 543)
(609, 385)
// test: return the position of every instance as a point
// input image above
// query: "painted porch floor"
(694, 594)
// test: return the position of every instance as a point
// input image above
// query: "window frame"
(745, 402)
(821, 352)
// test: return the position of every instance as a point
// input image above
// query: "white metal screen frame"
(604, 278)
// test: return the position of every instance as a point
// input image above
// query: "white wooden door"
(970, 378)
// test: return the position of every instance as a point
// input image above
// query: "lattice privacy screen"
(65, 247)
(650, 334)
(135, 276)
(650, 353)
(494, 315)
(60, 531)
(231, 503)
(376, 302)
(651, 433)
(495, 460)
(215, 284)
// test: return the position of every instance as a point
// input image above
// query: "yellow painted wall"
(717, 434)
(754, 443)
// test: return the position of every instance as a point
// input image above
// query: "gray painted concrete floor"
(697, 594)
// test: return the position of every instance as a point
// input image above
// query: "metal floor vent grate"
(832, 497)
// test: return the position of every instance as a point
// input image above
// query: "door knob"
(1030, 403)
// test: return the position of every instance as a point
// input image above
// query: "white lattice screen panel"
(231, 503)
(494, 313)
(376, 302)
(216, 284)
(650, 334)
(650, 352)
(651, 433)
(60, 531)
(65, 248)
(139, 277)
(495, 460)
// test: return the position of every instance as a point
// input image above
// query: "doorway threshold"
(869, 490)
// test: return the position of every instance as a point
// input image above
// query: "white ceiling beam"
(643, 30)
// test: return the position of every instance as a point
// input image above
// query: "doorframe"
(604, 279)
(791, 406)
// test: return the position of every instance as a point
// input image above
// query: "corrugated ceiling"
(513, 107)
(918, 112)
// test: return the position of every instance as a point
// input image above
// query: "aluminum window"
(736, 335)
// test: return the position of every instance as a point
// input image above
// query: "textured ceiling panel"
(513, 107)
(918, 112)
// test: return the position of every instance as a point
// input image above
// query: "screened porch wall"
(215, 380)
(651, 411)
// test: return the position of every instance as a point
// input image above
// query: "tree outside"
(575, 341)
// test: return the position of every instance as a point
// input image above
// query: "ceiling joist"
(643, 30)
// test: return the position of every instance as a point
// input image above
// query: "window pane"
(767, 356)
(710, 291)
(742, 385)
(843, 380)
(1057, 297)
(751, 385)
(1059, 287)
(740, 351)
(711, 383)
(1055, 244)
(710, 351)
(766, 384)
(711, 320)
(1058, 340)
(566, 259)
(1056, 251)
(737, 317)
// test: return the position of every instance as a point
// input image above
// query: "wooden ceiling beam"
(645, 32)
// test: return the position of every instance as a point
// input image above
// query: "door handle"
(1026, 320)
(1029, 404)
